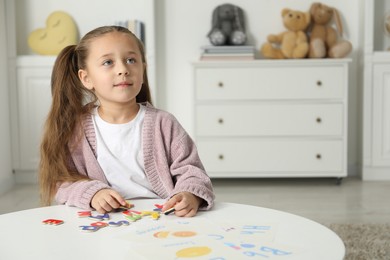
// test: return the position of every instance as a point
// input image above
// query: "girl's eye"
(107, 63)
(130, 60)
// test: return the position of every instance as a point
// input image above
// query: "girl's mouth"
(123, 84)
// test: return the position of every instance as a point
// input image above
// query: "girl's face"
(114, 69)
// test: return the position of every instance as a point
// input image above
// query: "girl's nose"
(123, 72)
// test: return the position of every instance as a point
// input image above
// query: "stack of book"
(228, 52)
(135, 26)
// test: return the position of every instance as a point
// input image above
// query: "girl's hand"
(106, 200)
(186, 204)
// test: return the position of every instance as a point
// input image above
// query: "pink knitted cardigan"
(172, 164)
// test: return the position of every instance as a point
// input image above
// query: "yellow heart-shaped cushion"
(60, 32)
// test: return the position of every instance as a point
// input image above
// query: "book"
(140, 30)
(227, 56)
(131, 26)
(228, 49)
(135, 26)
(228, 53)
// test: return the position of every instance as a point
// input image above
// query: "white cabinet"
(381, 110)
(30, 74)
(272, 118)
(34, 100)
(376, 131)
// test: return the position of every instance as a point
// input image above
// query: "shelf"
(376, 110)
(383, 56)
(381, 38)
(35, 61)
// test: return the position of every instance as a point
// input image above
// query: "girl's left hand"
(185, 203)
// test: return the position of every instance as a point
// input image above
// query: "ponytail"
(62, 122)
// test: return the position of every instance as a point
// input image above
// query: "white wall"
(182, 26)
(6, 177)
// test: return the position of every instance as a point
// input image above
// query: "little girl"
(104, 142)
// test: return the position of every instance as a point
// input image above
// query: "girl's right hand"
(106, 200)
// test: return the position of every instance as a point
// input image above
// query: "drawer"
(260, 155)
(269, 119)
(243, 83)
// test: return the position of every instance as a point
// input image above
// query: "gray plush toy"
(228, 26)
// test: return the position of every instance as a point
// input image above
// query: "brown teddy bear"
(323, 38)
(290, 44)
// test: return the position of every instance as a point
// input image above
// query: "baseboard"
(354, 170)
(7, 184)
(26, 177)
(376, 174)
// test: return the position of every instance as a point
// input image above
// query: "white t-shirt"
(120, 155)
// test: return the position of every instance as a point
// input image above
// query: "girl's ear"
(84, 78)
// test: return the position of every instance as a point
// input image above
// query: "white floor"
(321, 200)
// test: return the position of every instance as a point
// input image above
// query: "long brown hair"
(71, 101)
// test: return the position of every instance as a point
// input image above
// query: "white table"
(23, 236)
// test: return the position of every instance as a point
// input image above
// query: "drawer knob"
(319, 83)
(220, 84)
(221, 157)
(220, 120)
(318, 120)
(318, 156)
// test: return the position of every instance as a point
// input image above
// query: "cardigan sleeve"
(189, 173)
(177, 161)
(80, 193)
(172, 164)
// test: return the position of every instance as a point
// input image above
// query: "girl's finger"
(118, 199)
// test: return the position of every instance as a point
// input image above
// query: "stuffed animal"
(290, 44)
(323, 38)
(228, 27)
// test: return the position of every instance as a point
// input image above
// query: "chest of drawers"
(272, 118)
